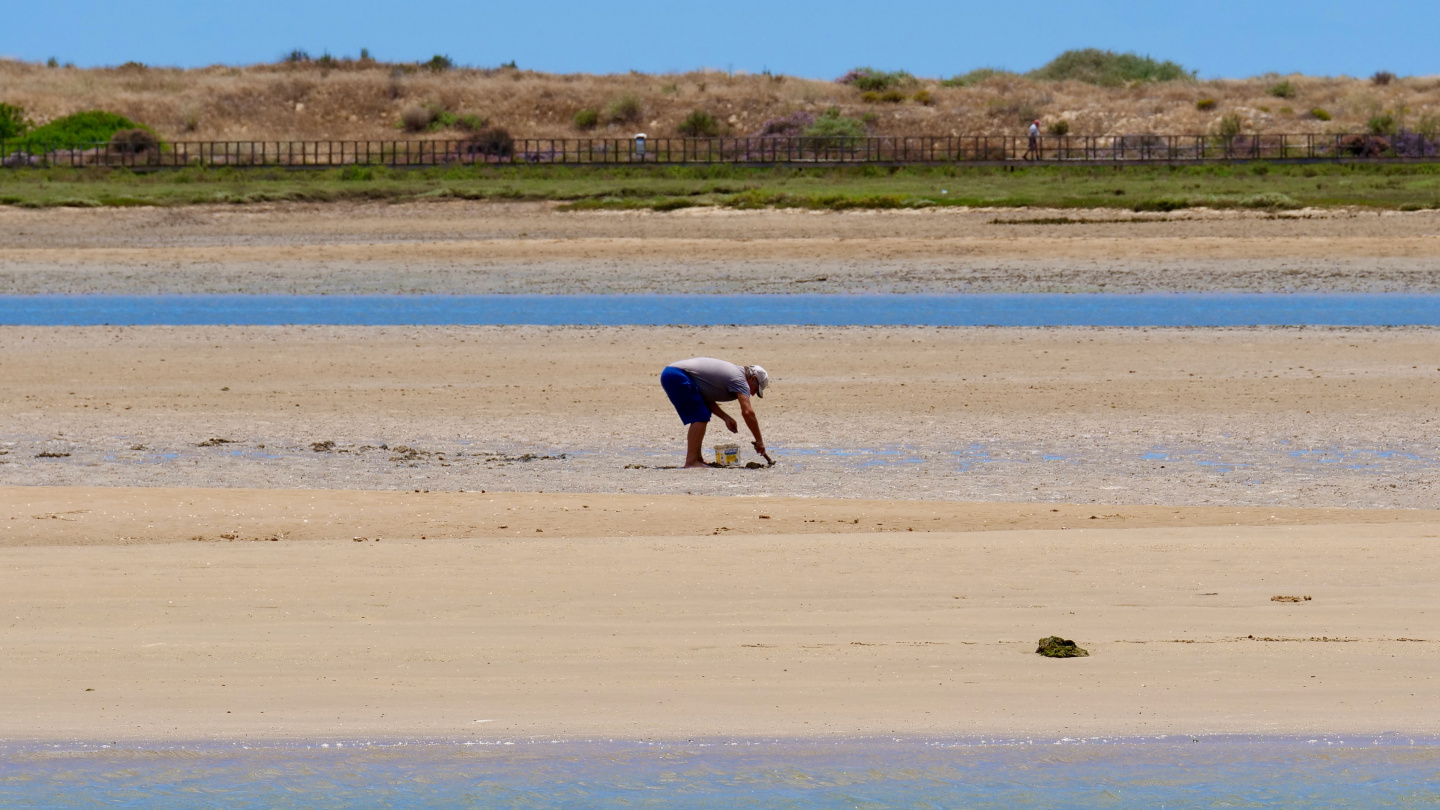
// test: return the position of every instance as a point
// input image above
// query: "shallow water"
(1028, 309)
(1385, 772)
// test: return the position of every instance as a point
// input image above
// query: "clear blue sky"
(1220, 38)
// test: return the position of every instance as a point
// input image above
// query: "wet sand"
(1258, 417)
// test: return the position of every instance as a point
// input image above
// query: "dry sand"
(944, 497)
(463, 247)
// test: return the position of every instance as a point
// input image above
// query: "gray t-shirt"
(718, 380)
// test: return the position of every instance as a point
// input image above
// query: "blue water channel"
(1174, 772)
(1025, 309)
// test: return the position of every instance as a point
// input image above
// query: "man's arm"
(724, 417)
(751, 421)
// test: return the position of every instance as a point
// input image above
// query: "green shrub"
(1382, 124)
(625, 109)
(1229, 126)
(297, 56)
(831, 124)
(1060, 128)
(439, 64)
(80, 129)
(974, 77)
(876, 81)
(443, 118)
(587, 118)
(13, 122)
(1282, 90)
(1109, 69)
(882, 97)
(1383, 77)
(470, 122)
(1205, 104)
(1428, 126)
(1320, 114)
(924, 97)
(699, 124)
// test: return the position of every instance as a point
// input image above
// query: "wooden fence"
(753, 151)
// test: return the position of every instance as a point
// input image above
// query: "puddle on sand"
(976, 456)
(1200, 458)
(883, 456)
(1361, 459)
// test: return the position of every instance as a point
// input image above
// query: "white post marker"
(640, 145)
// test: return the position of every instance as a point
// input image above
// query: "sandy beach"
(453, 532)
(647, 634)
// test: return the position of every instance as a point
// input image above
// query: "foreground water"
(1029, 309)
(1331, 772)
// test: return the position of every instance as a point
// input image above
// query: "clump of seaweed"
(1056, 647)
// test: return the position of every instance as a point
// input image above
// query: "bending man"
(696, 388)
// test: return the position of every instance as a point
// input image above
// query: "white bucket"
(727, 454)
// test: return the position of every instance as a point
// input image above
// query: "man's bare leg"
(694, 440)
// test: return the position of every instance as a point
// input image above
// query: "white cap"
(762, 379)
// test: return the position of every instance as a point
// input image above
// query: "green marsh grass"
(1139, 188)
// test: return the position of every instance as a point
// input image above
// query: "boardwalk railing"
(891, 150)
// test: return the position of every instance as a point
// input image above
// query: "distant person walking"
(1033, 153)
(696, 388)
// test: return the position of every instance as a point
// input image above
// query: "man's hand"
(752, 422)
(732, 425)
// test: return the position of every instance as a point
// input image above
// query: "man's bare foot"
(695, 465)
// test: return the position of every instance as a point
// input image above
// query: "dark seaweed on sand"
(1056, 647)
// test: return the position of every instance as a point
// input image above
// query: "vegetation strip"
(1141, 189)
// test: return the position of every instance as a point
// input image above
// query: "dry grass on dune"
(365, 100)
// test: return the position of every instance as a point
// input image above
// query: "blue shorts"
(684, 395)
